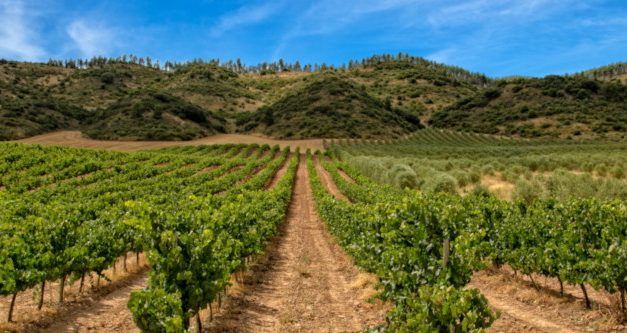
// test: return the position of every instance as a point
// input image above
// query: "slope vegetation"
(26, 108)
(149, 115)
(370, 98)
(330, 106)
(210, 87)
(555, 106)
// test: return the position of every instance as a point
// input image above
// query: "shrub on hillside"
(440, 182)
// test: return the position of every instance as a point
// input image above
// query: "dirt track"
(525, 308)
(328, 182)
(100, 309)
(76, 139)
(107, 314)
(304, 284)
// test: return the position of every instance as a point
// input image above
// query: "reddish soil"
(207, 169)
(524, 307)
(280, 173)
(77, 139)
(101, 309)
(327, 181)
(107, 314)
(346, 176)
(305, 283)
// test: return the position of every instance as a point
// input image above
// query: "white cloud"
(16, 32)
(91, 40)
(328, 16)
(485, 10)
(244, 16)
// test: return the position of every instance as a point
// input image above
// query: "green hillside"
(330, 107)
(149, 115)
(555, 106)
(416, 85)
(26, 106)
(101, 86)
(375, 97)
(210, 87)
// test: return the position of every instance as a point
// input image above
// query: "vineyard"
(197, 212)
(235, 235)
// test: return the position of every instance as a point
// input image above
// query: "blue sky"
(496, 37)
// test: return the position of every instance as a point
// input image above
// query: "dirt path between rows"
(345, 176)
(328, 182)
(100, 307)
(107, 314)
(274, 180)
(524, 307)
(305, 283)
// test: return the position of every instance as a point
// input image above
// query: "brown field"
(78, 140)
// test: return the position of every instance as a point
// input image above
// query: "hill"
(210, 87)
(556, 106)
(329, 106)
(613, 72)
(150, 115)
(101, 86)
(410, 84)
(98, 96)
(26, 106)
(416, 85)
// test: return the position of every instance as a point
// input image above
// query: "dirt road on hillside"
(78, 140)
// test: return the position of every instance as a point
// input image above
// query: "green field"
(418, 213)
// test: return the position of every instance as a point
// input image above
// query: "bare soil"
(100, 308)
(107, 314)
(502, 189)
(78, 140)
(305, 283)
(328, 182)
(280, 173)
(524, 307)
(345, 176)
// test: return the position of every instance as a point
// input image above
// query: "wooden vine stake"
(80, 288)
(61, 287)
(125, 257)
(446, 252)
(198, 322)
(622, 304)
(10, 317)
(585, 295)
(41, 295)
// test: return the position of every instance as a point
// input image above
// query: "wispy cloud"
(17, 32)
(91, 40)
(245, 15)
(329, 16)
(500, 30)
(473, 11)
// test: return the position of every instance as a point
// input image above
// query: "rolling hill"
(375, 97)
(150, 115)
(329, 107)
(556, 106)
